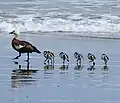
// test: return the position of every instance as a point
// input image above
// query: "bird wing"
(80, 56)
(21, 44)
(25, 43)
(29, 46)
(94, 57)
(107, 57)
(18, 45)
(66, 56)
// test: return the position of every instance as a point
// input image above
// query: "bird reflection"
(48, 71)
(49, 67)
(21, 77)
(78, 67)
(91, 68)
(63, 67)
(105, 68)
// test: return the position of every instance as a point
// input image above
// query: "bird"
(64, 57)
(105, 58)
(52, 55)
(49, 56)
(22, 46)
(91, 57)
(79, 57)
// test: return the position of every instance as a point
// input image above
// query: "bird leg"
(45, 61)
(78, 62)
(27, 58)
(63, 61)
(53, 61)
(48, 61)
(28, 63)
(17, 56)
(105, 63)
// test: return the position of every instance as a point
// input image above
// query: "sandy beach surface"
(59, 84)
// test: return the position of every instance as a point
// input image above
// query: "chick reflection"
(63, 67)
(48, 67)
(21, 77)
(91, 68)
(78, 67)
(105, 68)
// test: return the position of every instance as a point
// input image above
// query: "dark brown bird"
(22, 46)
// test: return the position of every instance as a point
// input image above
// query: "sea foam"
(72, 23)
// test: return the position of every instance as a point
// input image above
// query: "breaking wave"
(73, 23)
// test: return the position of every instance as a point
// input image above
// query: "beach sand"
(58, 84)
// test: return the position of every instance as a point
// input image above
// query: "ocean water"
(74, 17)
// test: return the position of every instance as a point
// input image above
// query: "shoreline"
(70, 35)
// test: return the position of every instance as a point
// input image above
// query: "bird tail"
(36, 50)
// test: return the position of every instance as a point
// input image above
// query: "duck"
(22, 46)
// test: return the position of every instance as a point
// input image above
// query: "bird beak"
(11, 32)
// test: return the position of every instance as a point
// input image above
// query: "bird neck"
(15, 35)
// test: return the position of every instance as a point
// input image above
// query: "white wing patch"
(19, 46)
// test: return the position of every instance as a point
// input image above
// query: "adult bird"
(105, 58)
(22, 46)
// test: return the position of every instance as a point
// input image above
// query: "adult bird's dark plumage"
(22, 46)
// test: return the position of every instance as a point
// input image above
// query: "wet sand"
(60, 84)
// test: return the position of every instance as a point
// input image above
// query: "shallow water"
(59, 84)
